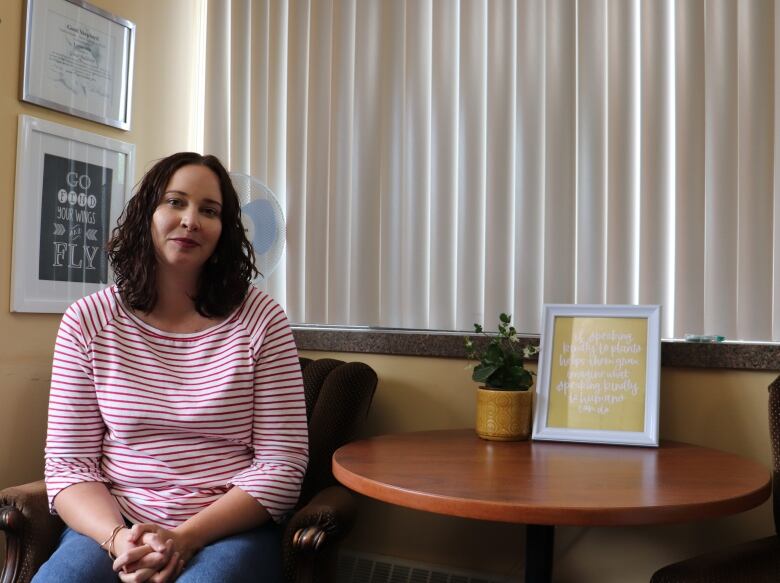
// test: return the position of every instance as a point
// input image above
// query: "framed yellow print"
(599, 372)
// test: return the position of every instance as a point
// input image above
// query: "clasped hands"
(147, 552)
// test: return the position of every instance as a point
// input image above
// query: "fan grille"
(263, 219)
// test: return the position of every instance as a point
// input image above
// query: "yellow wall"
(722, 409)
(162, 113)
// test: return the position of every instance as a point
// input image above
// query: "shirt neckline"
(178, 335)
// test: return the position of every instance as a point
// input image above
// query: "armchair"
(338, 396)
(756, 561)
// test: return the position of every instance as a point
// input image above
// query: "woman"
(177, 434)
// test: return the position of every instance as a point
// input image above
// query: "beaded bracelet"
(110, 540)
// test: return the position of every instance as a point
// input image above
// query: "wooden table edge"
(562, 516)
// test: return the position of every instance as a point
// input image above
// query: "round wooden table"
(544, 484)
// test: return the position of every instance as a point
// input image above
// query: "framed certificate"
(599, 369)
(71, 186)
(78, 59)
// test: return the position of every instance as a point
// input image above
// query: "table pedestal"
(539, 544)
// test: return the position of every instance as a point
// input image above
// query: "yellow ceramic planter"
(504, 415)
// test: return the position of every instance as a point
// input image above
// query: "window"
(441, 162)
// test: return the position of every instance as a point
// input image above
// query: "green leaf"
(496, 383)
(516, 378)
(482, 372)
(526, 380)
(494, 354)
(500, 365)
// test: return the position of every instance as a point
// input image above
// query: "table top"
(456, 473)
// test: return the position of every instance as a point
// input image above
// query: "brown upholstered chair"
(338, 396)
(756, 561)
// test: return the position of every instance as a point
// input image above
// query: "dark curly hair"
(227, 274)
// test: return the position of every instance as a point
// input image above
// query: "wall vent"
(370, 568)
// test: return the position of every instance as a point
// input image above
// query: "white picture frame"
(599, 374)
(71, 186)
(78, 59)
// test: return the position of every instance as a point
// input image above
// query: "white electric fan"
(264, 221)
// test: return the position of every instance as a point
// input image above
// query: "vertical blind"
(442, 161)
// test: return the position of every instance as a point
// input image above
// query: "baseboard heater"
(356, 567)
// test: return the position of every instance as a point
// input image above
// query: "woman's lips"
(185, 243)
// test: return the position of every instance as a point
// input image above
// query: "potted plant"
(504, 399)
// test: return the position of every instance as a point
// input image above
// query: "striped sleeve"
(75, 430)
(280, 433)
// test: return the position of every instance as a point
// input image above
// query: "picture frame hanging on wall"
(71, 186)
(599, 373)
(78, 59)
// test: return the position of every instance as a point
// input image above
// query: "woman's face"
(187, 222)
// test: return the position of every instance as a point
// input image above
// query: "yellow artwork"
(598, 373)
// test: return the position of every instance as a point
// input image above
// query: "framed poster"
(78, 59)
(71, 186)
(598, 377)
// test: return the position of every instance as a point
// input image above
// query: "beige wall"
(162, 115)
(722, 409)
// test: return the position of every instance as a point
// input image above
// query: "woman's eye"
(211, 212)
(175, 202)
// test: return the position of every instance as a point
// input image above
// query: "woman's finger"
(151, 534)
(161, 565)
(139, 529)
(136, 576)
(131, 556)
(168, 573)
(157, 540)
(153, 560)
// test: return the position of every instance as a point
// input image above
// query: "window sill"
(445, 344)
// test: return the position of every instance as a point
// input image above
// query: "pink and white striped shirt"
(170, 422)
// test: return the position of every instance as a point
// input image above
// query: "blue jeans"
(249, 557)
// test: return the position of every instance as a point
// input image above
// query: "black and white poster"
(75, 215)
(71, 187)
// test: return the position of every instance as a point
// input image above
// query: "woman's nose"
(189, 221)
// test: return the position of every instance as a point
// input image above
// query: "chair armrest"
(311, 535)
(31, 532)
(328, 516)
